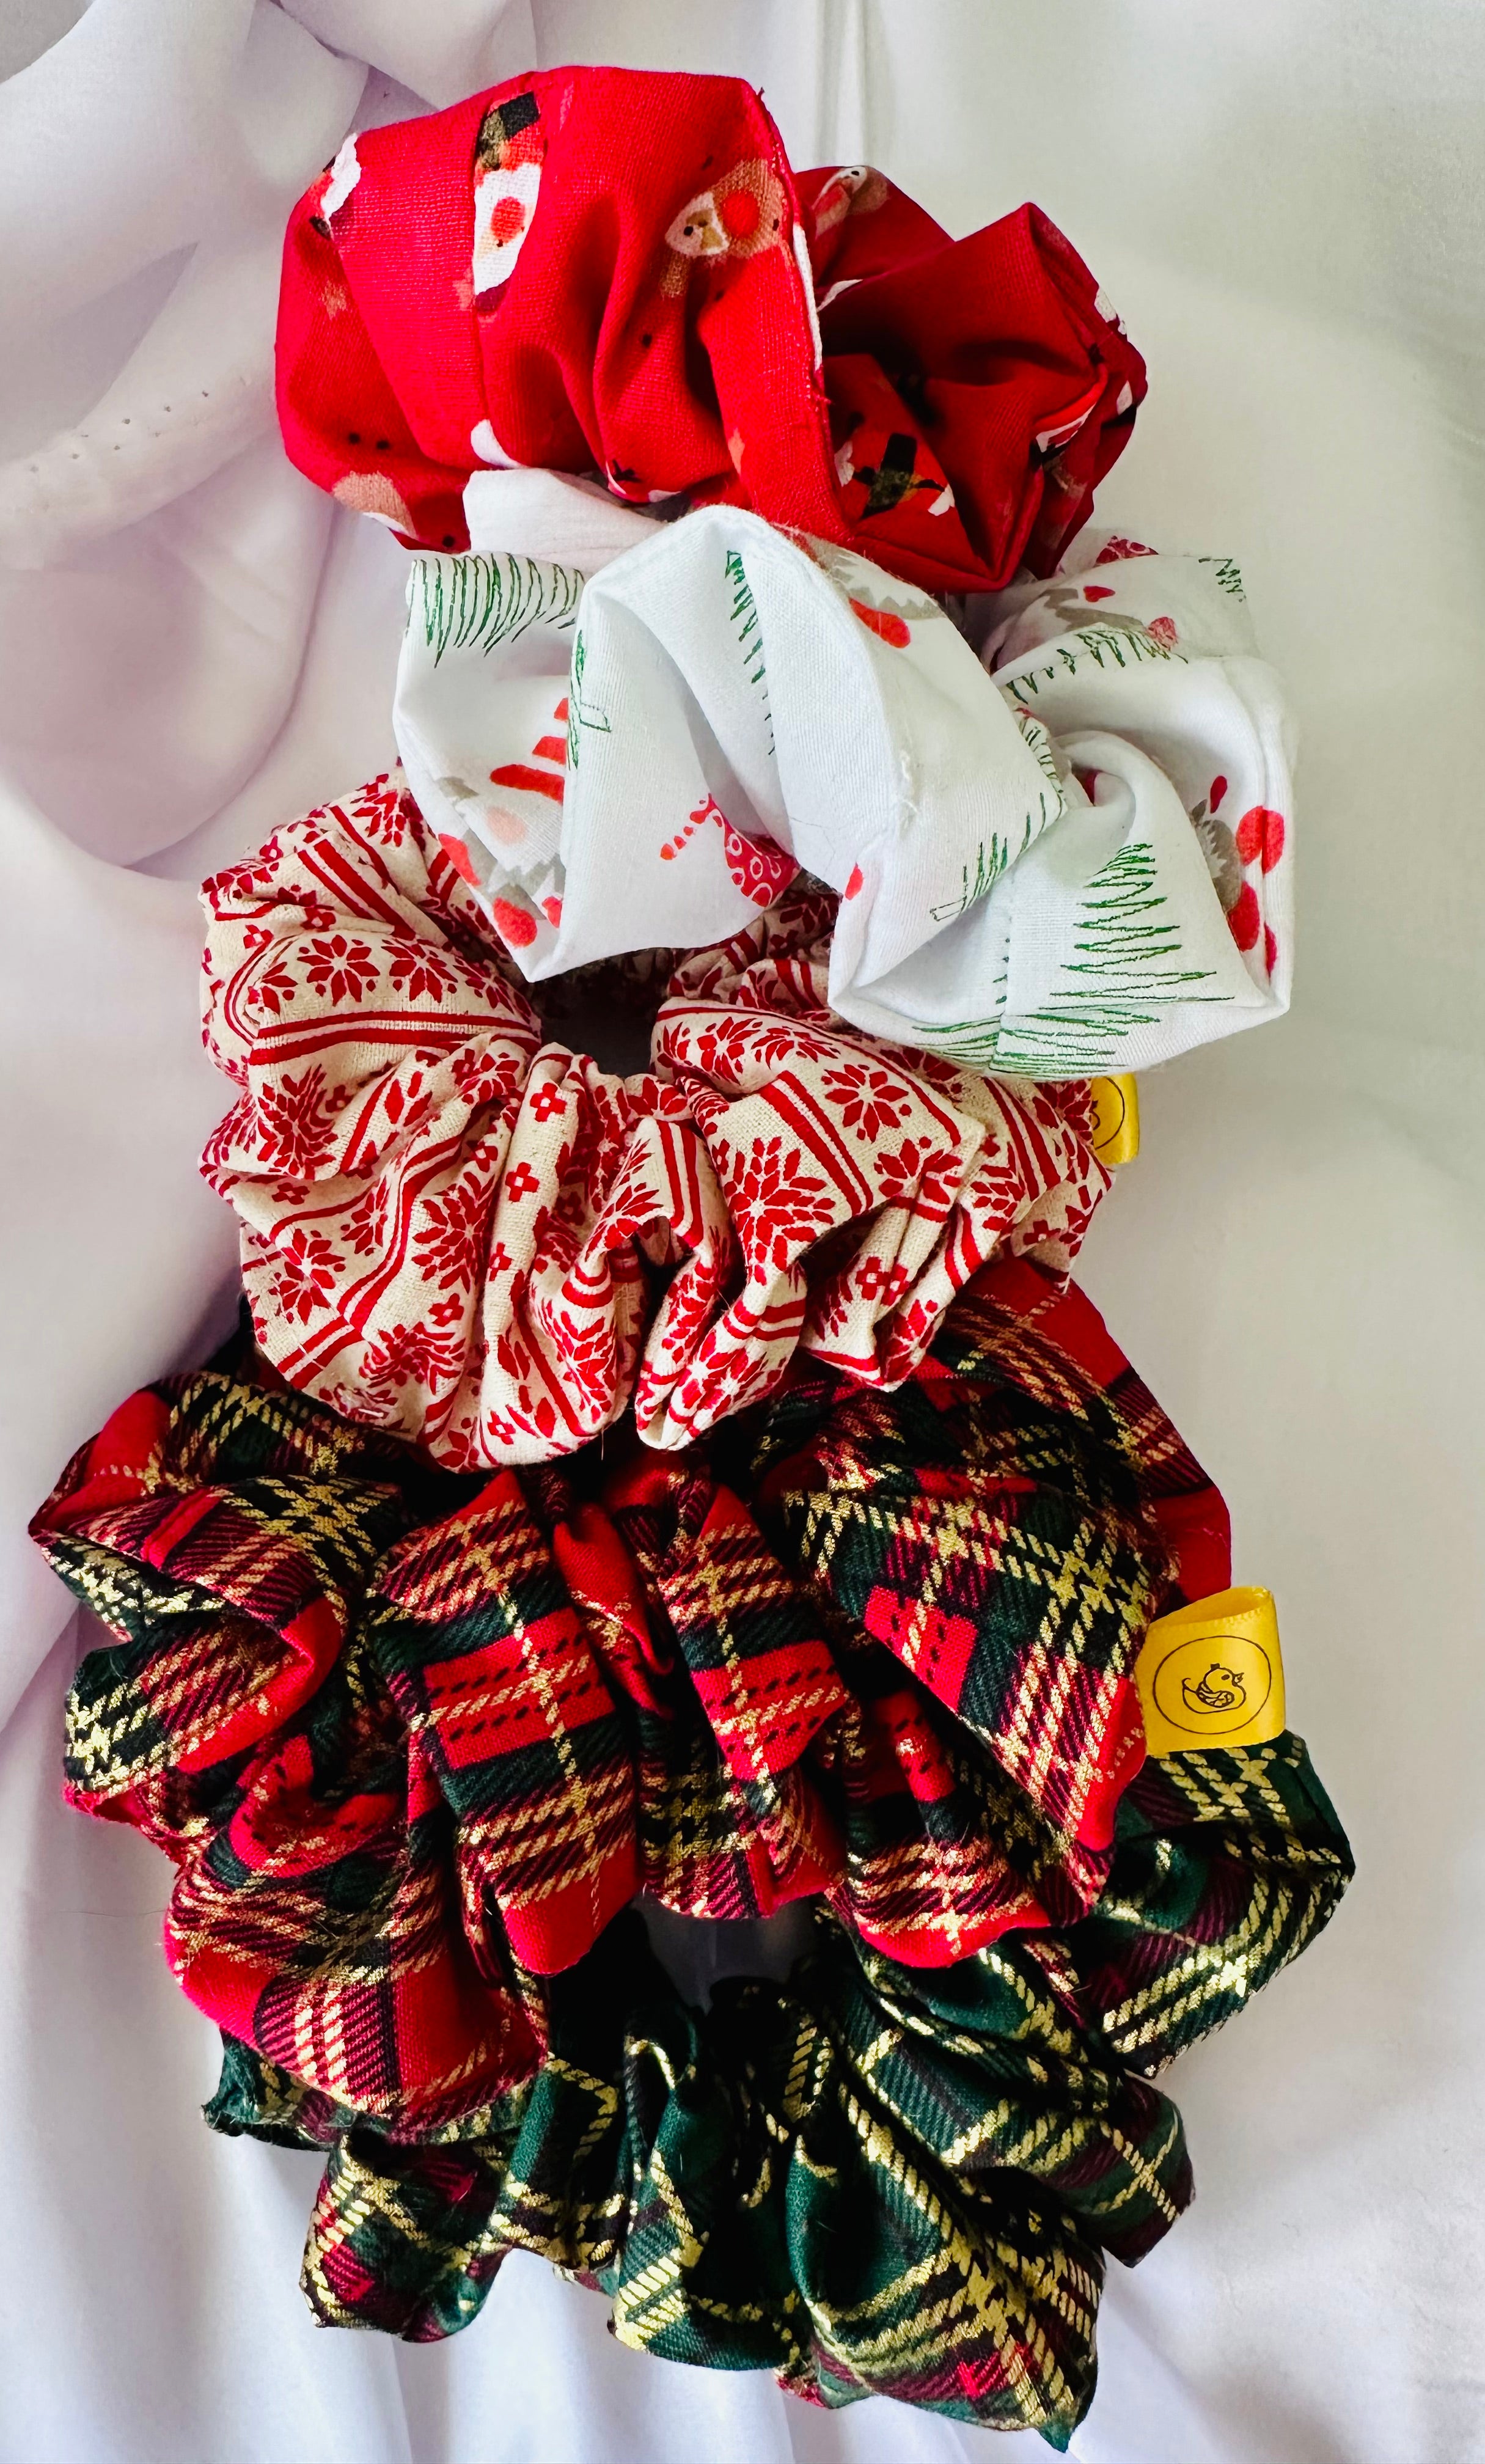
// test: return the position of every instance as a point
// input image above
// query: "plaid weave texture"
(401, 1731)
(873, 2180)
(414, 1739)
(869, 2181)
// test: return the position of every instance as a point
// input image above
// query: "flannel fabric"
(1080, 867)
(870, 2179)
(874, 2179)
(457, 1231)
(405, 1734)
(413, 1738)
(595, 269)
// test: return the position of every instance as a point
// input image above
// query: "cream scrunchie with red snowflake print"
(456, 1230)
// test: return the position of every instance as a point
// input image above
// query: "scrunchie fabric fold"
(1078, 865)
(870, 2180)
(406, 1736)
(412, 1740)
(873, 2180)
(459, 1231)
(616, 269)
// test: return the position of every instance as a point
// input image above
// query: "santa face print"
(738, 217)
(508, 158)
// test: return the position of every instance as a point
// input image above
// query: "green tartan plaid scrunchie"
(872, 2179)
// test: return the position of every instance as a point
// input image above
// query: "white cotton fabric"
(1288, 205)
(631, 744)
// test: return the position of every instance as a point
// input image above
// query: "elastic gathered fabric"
(1076, 865)
(413, 1739)
(604, 269)
(461, 1232)
(873, 2180)
(870, 2179)
(405, 1735)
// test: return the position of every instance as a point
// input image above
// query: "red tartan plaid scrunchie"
(610, 269)
(871, 1645)
(412, 1739)
(456, 1230)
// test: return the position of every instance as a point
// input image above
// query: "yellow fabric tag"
(1116, 1119)
(1212, 1675)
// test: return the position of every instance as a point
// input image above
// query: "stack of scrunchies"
(697, 1483)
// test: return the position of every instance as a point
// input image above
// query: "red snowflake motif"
(387, 816)
(590, 1357)
(274, 986)
(450, 1230)
(484, 1076)
(338, 969)
(362, 1226)
(777, 1206)
(545, 1100)
(918, 1176)
(418, 971)
(521, 1180)
(307, 1268)
(294, 1122)
(408, 1355)
(869, 1101)
(500, 1261)
(877, 1281)
(256, 937)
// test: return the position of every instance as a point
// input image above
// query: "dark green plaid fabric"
(878, 2179)
(870, 2179)
(1226, 1864)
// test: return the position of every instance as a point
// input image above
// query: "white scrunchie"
(1079, 864)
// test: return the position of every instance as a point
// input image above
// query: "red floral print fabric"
(459, 1231)
(598, 267)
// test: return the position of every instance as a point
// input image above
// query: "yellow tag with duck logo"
(1212, 1675)
(1116, 1119)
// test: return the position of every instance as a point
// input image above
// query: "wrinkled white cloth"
(1294, 1262)
(1079, 864)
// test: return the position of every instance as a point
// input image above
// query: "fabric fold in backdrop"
(460, 1231)
(613, 270)
(1080, 866)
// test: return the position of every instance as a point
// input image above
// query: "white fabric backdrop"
(1286, 202)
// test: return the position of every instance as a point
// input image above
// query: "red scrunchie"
(616, 269)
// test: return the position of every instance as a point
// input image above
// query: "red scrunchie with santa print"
(616, 269)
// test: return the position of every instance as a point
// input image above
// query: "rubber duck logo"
(1210, 1687)
(1219, 1689)
(1211, 1674)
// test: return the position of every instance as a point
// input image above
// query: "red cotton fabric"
(611, 269)
(459, 1231)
